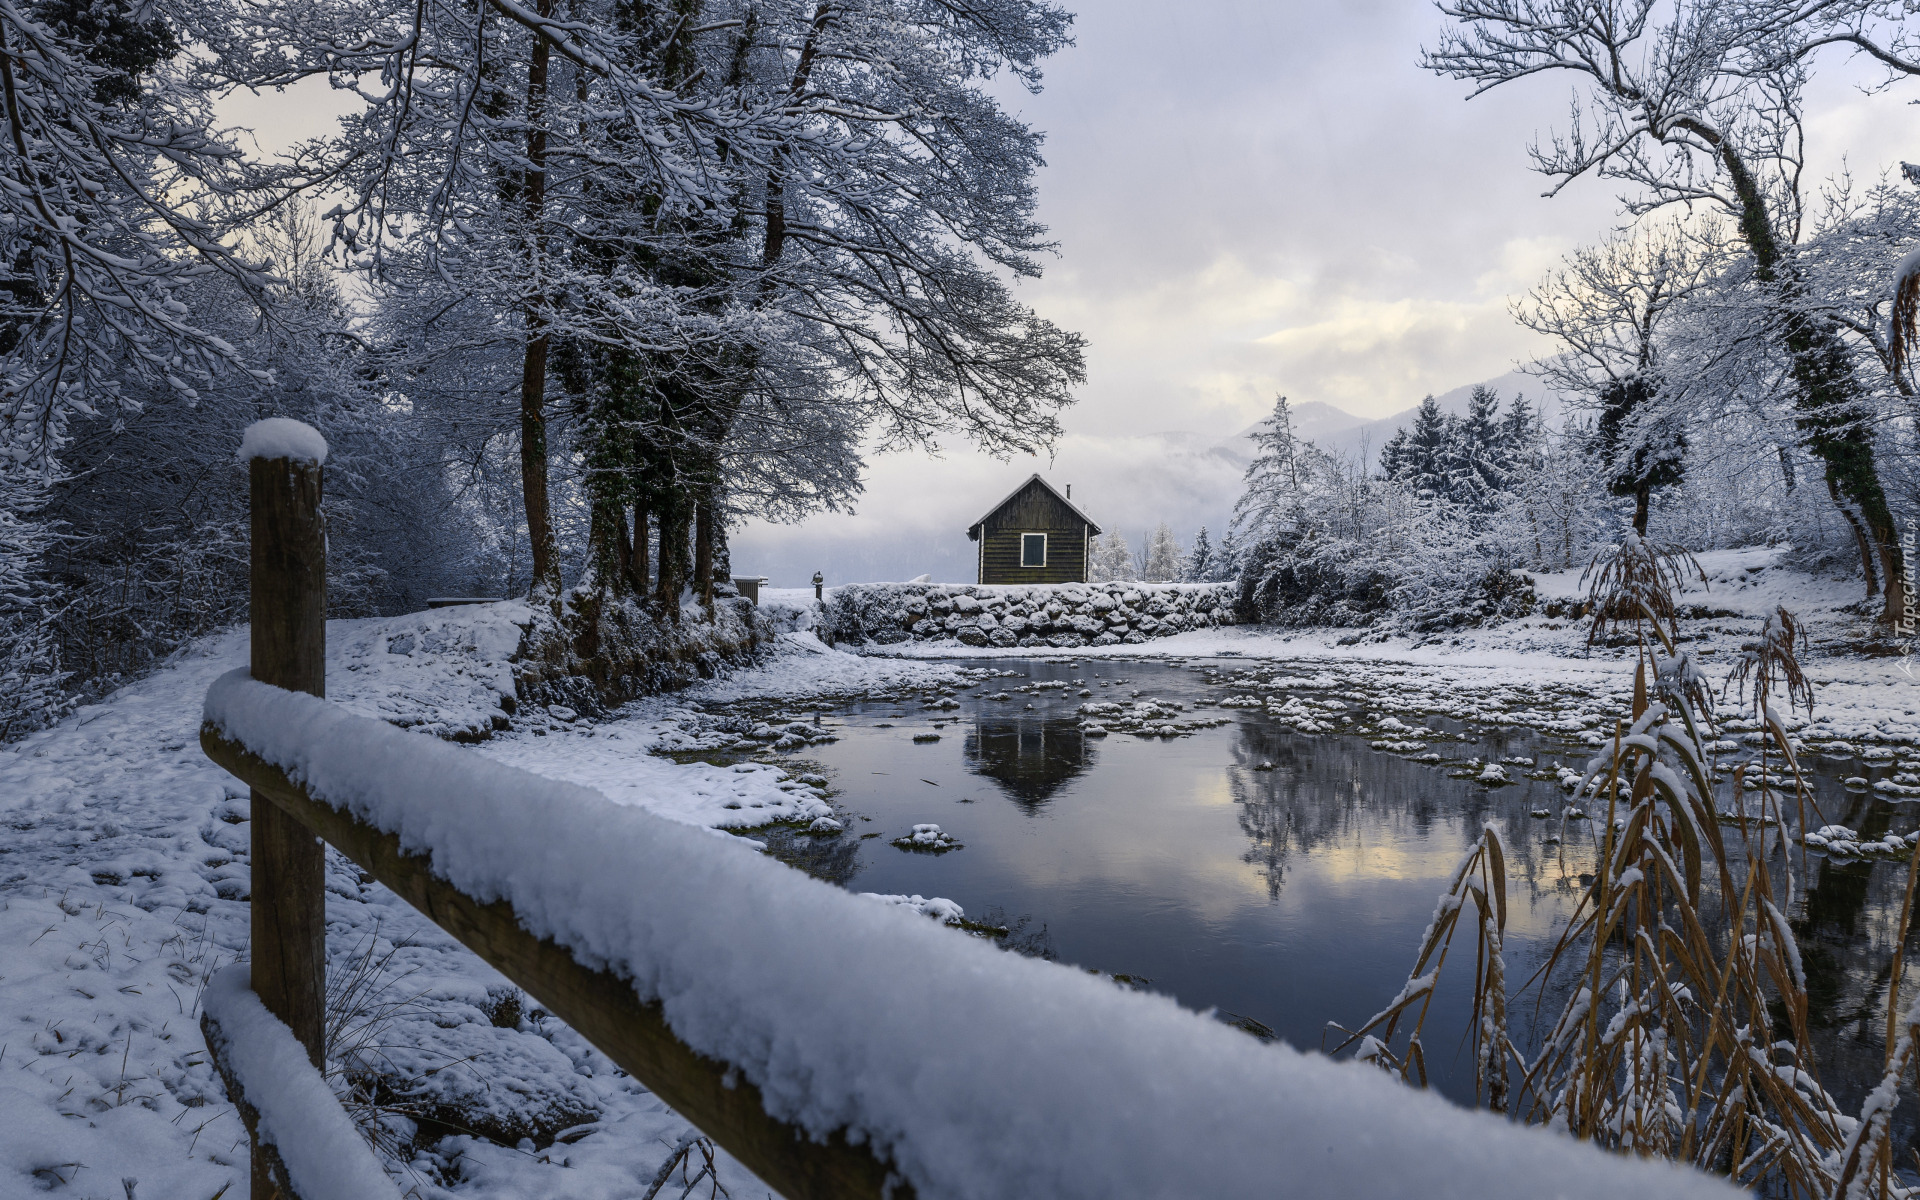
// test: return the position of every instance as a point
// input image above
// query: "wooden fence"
(289, 900)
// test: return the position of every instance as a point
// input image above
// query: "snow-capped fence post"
(287, 612)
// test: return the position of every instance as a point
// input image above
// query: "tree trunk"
(675, 518)
(609, 554)
(703, 553)
(533, 371)
(622, 549)
(1860, 538)
(1828, 397)
(642, 565)
(1642, 502)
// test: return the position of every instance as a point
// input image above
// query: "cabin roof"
(973, 530)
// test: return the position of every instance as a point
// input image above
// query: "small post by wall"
(288, 614)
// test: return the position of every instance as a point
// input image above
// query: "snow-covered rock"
(1058, 616)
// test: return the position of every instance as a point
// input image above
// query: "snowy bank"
(1042, 1081)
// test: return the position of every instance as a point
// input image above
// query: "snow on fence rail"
(296, 1123)
(836, 1047)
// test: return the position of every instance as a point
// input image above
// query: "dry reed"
(1684, 1032)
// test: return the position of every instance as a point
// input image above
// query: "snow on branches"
(113, 190)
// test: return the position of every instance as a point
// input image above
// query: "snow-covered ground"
(123, 880)
(123, 876)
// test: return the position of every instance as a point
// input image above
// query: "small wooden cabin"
(1035, 535)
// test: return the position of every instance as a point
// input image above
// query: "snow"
(123, 882)
(939, 907)
(123, 885)
(283, 437)
(1045, 1081)
(325, 1156)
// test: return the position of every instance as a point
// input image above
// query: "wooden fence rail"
(601, 1006)
(289, 828)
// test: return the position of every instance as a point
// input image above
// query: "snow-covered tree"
(1421, 454)
(1468, 460)
(1226, 561)
(1201, 559)
(1610, 307)
(790, 238)
(1278, 481)
(115, 190)
(1703, 108)
(1161, 557)
(30, 668)
(1112, 559)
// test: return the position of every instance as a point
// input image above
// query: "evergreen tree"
(1226, 561)
(1200, 560)
(1419, 455)
(1478, 465)
(1277, 480)
(1521, 430)
(1642, 448)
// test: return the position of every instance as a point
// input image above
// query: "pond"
(1281, 878)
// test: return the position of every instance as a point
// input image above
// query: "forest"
(571, 289)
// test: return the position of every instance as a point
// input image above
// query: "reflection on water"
(1029, 757)
(1281, 876)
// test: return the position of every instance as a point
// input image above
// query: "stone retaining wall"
(1057, 615)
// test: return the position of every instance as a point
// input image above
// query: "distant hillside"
(1340, 432)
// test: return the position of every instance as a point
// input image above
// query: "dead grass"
(1684, 1032)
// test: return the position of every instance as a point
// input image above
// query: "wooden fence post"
(288, 615)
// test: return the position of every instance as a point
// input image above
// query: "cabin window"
(1033, 549)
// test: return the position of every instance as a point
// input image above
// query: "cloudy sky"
(1252, 197)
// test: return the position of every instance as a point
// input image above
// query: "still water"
(1280, 878)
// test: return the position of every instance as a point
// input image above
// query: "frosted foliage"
(1432, 540)
(1161, 560)
(325, 1156)
(283, 437)
(30, 671)
(1016, 1096)
(1112, 559)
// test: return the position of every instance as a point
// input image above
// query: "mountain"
(1317, 421)
(1340, 432)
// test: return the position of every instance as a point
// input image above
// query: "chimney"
(1069, 491)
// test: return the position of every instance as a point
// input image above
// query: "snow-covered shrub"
(1288, 579)
(604, 650)
(1442, 539)
(867, 612)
